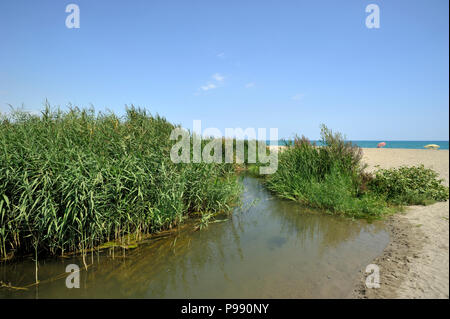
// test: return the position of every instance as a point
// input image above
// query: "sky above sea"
(291, 65)
(443, 145)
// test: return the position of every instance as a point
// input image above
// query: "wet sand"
(416, 262)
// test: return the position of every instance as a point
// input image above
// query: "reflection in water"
(276, 242)
(271, 249)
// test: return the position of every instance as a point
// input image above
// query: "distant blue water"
(394, 144)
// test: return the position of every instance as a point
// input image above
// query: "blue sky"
(285, 64)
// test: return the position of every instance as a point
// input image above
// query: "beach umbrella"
(381, 144)
(433, 146)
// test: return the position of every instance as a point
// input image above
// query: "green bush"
(414, 185)
(331, 177)
(73, 180)
(328, 177)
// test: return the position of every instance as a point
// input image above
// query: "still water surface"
(270, 248)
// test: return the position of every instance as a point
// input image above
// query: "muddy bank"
(395, 262)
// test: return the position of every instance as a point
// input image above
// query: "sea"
(391, 144)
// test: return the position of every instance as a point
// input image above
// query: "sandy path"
(416, 262)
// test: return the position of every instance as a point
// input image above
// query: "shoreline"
(281, 147)
(415, 263)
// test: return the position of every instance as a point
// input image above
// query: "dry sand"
(415, 264)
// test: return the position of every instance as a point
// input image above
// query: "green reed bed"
(73, 180)
(332, 177)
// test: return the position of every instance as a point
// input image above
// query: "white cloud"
(218, 80)
(208, 86)
(218, 77)
(221, 55)
(297, 97)
(250, 85)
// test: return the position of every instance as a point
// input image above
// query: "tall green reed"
(73, 180)
(329, 177)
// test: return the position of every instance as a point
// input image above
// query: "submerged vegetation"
(74, 180)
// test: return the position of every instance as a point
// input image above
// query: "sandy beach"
(416, 262)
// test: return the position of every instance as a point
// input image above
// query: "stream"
(268, 248)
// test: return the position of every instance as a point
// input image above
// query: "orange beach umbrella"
(381, 144)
